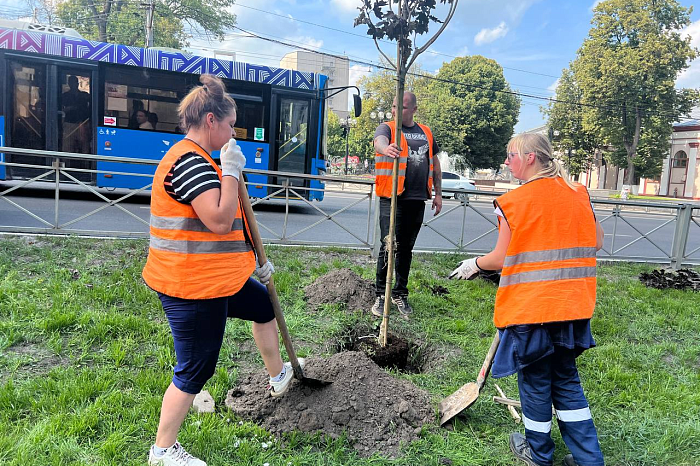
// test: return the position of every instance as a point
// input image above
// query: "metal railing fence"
(656, 232)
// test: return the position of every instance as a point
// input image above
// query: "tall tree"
(124, 22)
(400, 21)
(575, 144)
(472, 111)
(626, 69)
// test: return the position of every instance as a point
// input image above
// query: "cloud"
(355, 73)
(690, 77)
(347, 5)
(486, 36)
(595, 4)
(553, 87)
(463, 52)
(305, 41)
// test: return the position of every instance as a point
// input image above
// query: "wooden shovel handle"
(488, 362)
(249, 217)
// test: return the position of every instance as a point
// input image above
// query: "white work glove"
(232, 159)
(264, 272)
(466, 270)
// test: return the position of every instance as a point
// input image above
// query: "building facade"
(680, 175)
(337, 70)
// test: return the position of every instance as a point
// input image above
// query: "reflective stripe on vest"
(187, 224)
(384, 165)
(389, 172)
(198, 247)
(549, 273)
(549, 255)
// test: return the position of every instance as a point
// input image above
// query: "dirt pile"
(376, 411)
(341, 286)
(681, 279)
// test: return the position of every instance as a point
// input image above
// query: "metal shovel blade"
(458, 401)
(468, 393)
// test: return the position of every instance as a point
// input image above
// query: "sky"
(533, 40)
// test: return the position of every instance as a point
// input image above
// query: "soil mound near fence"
(376, 411)
(341, 286)
(682, 279)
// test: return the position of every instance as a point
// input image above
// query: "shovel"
(468, 393)
(249, 217)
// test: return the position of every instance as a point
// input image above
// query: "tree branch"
(91, 5)
(383, 54)
(419, 50)
(376, 43)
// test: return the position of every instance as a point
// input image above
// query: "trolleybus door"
(50, 109)
(27, 125)
(292, 139)
(74, 118)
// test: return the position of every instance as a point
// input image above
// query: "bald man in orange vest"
(419, 173)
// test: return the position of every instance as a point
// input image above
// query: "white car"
(457, 186)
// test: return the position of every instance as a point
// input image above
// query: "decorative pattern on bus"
(72, 47)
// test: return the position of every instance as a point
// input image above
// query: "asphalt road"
(458, 225)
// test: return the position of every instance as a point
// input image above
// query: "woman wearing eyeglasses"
(546, 251)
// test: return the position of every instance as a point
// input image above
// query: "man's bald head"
(410, 106)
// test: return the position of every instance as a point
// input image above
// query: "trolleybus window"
(250, 117)
(142, 99)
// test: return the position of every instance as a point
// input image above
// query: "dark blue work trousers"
(554, 380)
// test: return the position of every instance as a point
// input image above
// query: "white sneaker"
(279, 388)
(174, 456)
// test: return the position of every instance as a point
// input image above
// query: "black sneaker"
(404, 308)
(378, 307)
(569, 460)
(520, 448)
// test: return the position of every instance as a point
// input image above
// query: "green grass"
(647, 198)
(86, 353)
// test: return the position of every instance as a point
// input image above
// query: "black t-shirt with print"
(418, 166)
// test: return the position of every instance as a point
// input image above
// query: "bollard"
(680, 236)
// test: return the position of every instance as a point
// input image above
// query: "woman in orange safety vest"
(200, 260)
(546, 251)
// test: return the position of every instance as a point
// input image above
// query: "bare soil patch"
(341, 286)
(34, 360)
(377, 412)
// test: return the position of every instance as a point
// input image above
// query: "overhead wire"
(363, 61)
(365, 36)
(515, 93)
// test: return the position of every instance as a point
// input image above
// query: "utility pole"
(150, 9)
(347, 149)
(347, 123)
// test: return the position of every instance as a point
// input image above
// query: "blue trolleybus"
(61, 92)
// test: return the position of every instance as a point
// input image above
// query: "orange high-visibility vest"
(384, 165)
(185, 259)
(549, 273)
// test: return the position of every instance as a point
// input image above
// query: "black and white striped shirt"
(190, 176)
